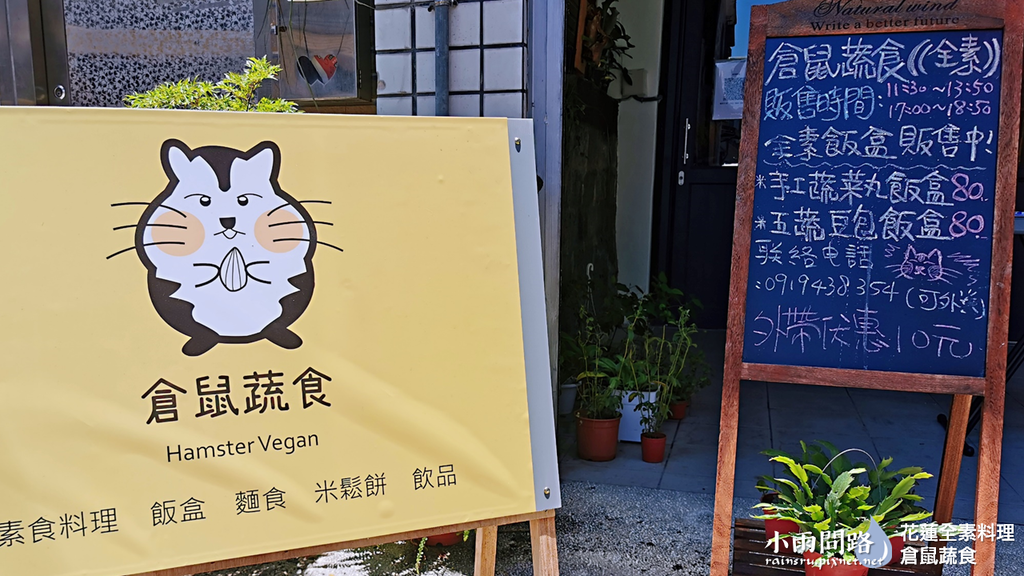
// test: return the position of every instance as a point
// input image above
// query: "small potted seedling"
(653, 415)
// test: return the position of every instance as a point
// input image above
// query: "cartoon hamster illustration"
(229, 253)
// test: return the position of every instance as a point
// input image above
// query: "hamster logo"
(229, 253)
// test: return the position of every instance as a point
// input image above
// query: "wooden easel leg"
(949, 475)
(721, 536)
(486, 551)
(986, 500)
(545, 546)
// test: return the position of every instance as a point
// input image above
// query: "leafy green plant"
(605, 43)
(236, 92)
(598, 397)
(420, 551)
(671, 363)
(654, 411)
(633, 343)
(822, 490)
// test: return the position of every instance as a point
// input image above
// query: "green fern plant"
(236, 92)
(822, 490)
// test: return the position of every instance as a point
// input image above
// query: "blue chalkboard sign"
(871, 241)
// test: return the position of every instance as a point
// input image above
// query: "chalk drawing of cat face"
(923, 264)
(229, 253)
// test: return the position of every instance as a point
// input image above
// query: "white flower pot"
(630, 427)
(566, 398)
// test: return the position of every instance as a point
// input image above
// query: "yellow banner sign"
(231, 334)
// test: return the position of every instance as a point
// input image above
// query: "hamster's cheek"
(177, 235)
(276, 231)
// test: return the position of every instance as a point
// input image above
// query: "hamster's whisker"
(260, 280)
(300, 202)
(307, 240)
(276, 209)
(144, 245)
(215, 276)
(149, 225)
(179, 212)
(299, 222)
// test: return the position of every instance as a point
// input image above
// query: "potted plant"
(680, 363)
(654, 413)
(688, 372)
(626, 366)
(668, 363)
(823, 491)
(777, 530)
(629, 371)
(597, 421)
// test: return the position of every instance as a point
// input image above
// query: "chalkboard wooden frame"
(793, 19)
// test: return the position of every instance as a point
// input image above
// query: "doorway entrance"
(695, 178)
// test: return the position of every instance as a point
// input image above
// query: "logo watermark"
(934, 544)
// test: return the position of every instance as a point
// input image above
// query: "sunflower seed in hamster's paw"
(232, 271)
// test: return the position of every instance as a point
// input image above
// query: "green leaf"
(915, 517)
(910, 471)
(236, 91)
(839, 487)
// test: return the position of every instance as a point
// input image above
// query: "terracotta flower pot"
(653, 447)
(597, 440)
(833, 567)
(678, 410)
(776, 526)
(897, 550)
(450, 539)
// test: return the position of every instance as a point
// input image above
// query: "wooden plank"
(870, 379)
(486, 551)
(726, 472)
(991, 441)
(545, 546)
(745, 563)
(349, 544)
(949, 474)
(795, 19)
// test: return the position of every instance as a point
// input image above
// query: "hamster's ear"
(175, 157)
(264, 159)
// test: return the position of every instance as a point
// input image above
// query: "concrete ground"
(896, 424)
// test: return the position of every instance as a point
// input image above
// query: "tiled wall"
(116, 47)
(488, 58)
